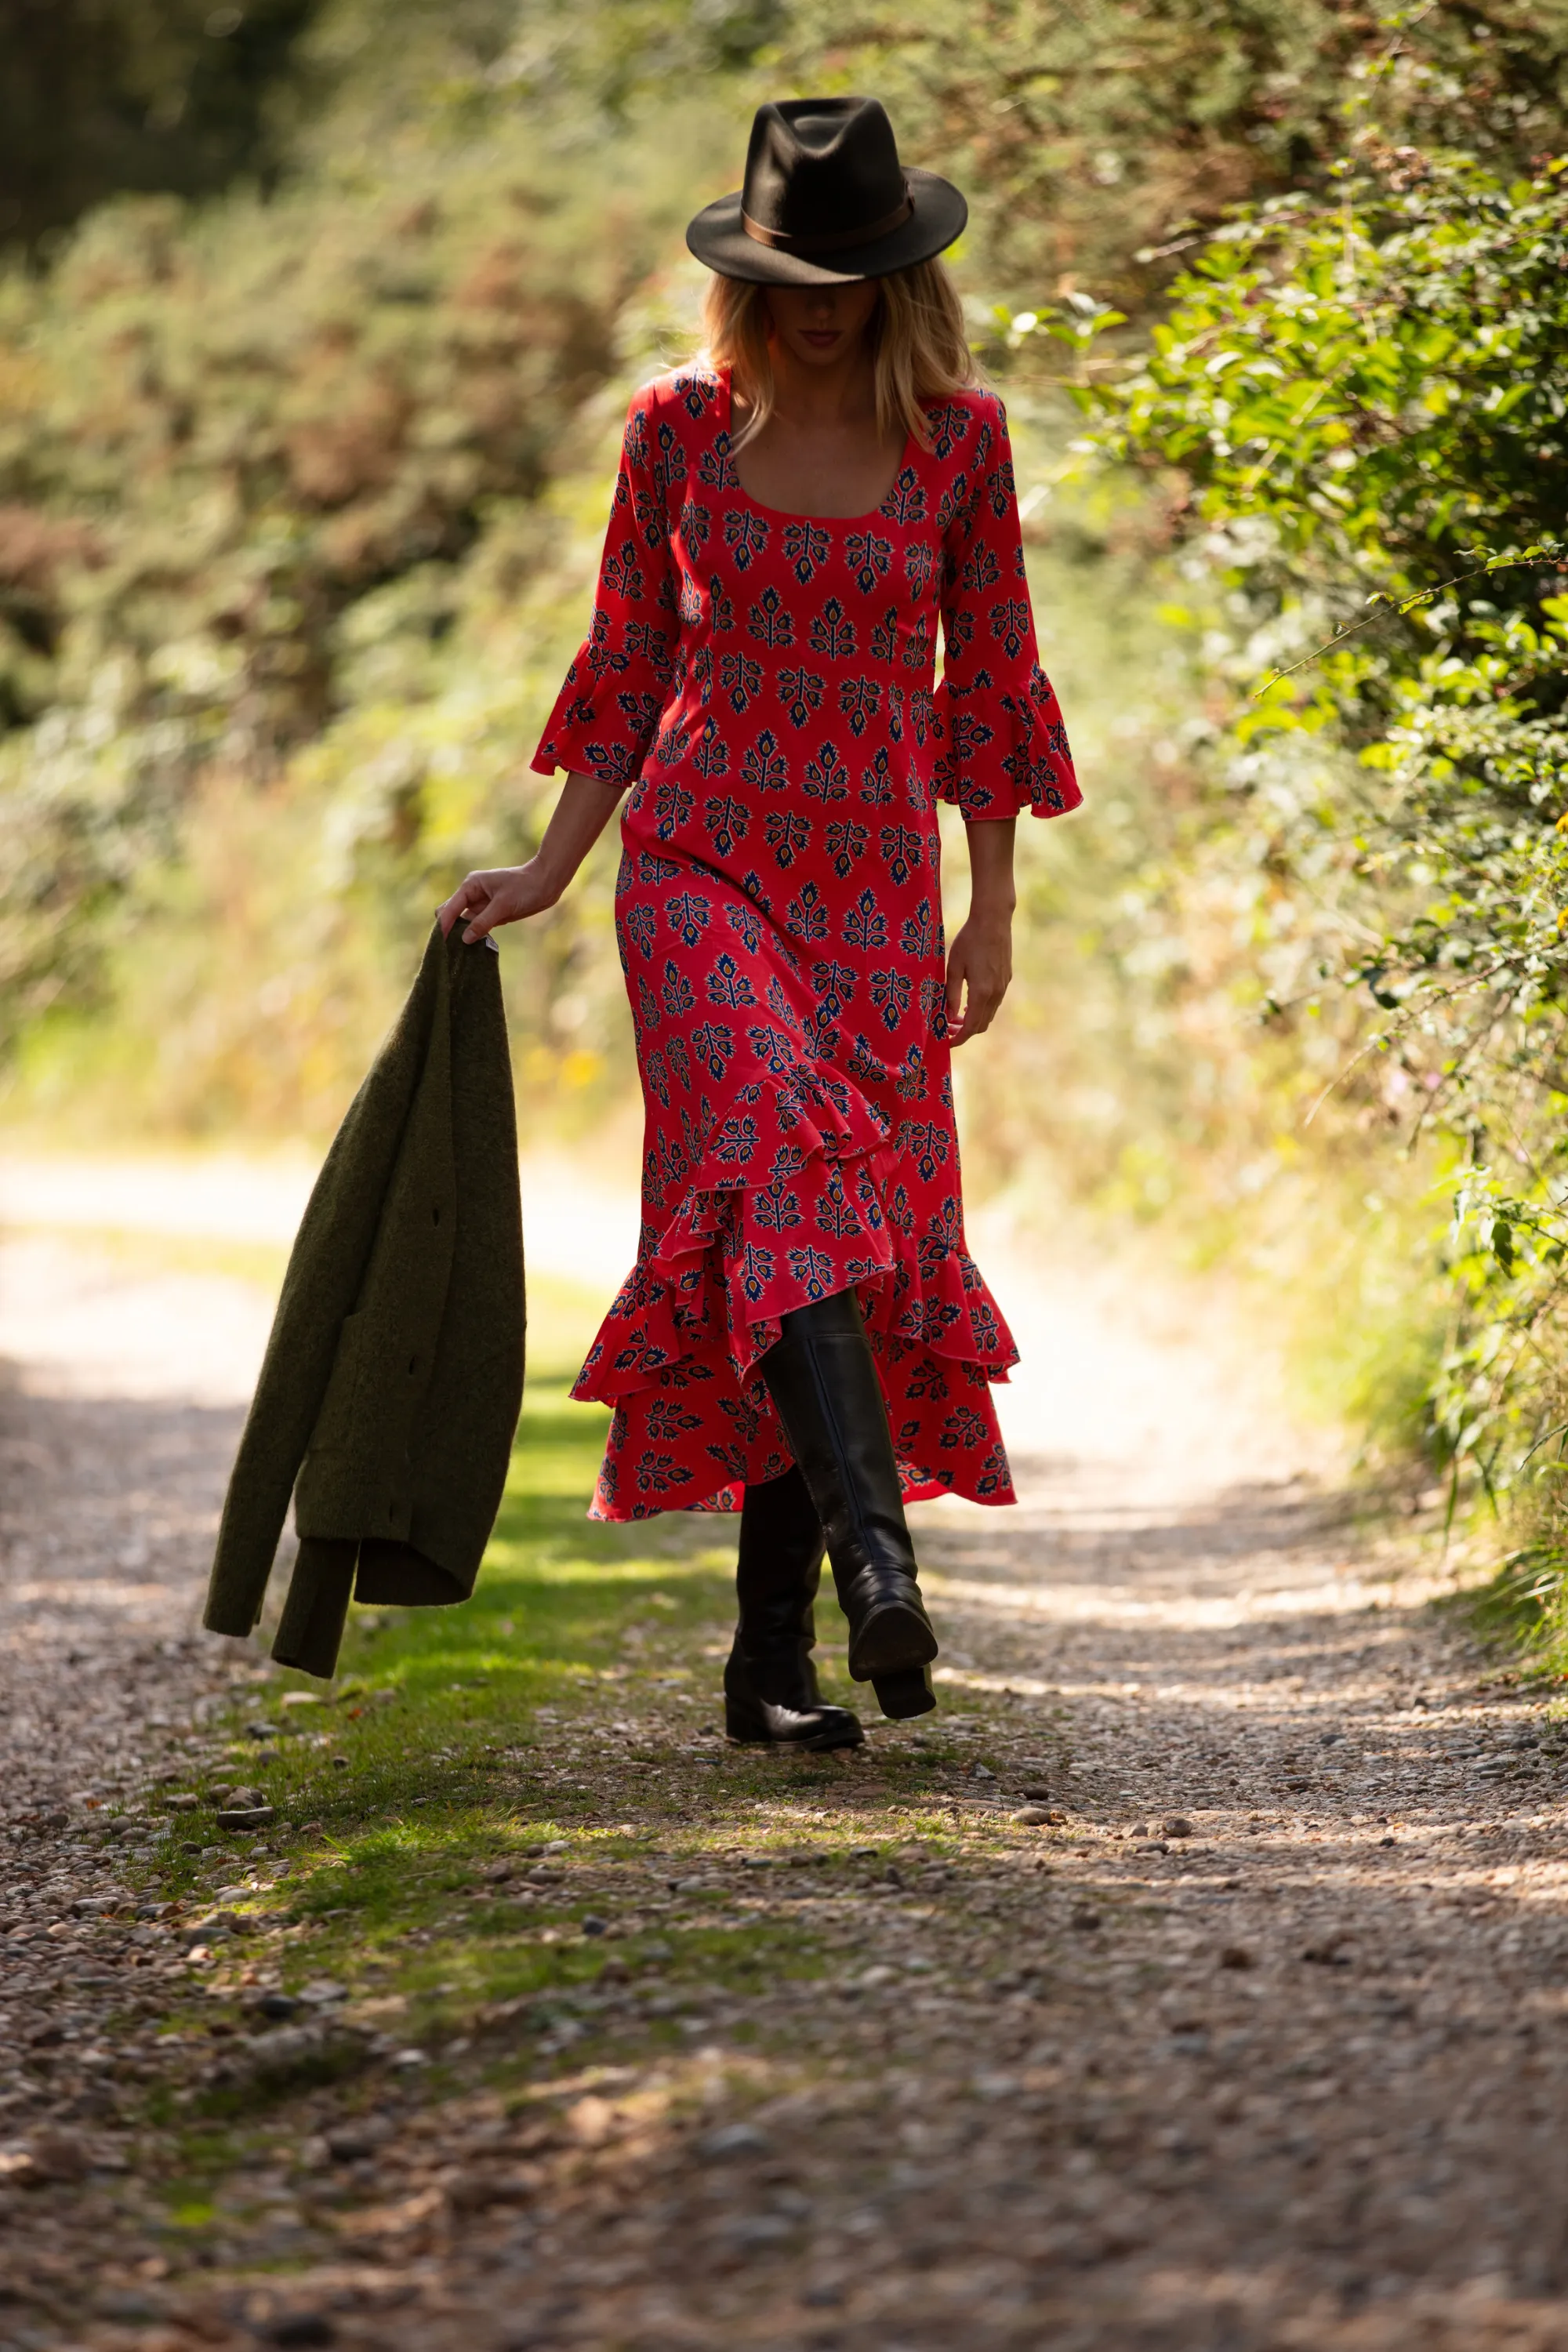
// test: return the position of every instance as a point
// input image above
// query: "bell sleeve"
(607, 712)
(1001, 744)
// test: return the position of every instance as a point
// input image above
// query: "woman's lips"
(821, 338)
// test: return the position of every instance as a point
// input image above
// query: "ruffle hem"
(677, 1356)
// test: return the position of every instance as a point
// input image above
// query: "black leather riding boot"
(770, 1683)
(823, 1380)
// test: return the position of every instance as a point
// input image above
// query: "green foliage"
(282, 603)
(269, 483)
(298, 499)
(1095, 141)
(1360, 396)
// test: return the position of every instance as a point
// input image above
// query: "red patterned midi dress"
(765, 682)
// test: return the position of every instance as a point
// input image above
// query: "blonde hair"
(918, 351)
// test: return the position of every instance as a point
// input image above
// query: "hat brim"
(938, 214)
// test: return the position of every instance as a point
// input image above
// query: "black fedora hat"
(826, 201)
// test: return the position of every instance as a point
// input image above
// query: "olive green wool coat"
(393, 1380)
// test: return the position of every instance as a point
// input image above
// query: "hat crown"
(822, 168)
(827, 201)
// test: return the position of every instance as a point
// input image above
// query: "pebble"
(995, 2086)
(215, 1928)
(1033, 1816)
(53, 2155)
(747, 2232)
(733, 2139)
(130, 2309)
(1178, 1826)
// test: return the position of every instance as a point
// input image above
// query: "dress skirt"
(765, 682)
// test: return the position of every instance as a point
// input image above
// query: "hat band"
(837, 240)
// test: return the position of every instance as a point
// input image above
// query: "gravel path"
(1252, 2035)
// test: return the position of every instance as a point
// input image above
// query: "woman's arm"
(507, 893)
(980, 960)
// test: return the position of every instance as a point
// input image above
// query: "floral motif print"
(765, 683)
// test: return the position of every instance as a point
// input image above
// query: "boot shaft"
(778, 1570)
(823, 1379)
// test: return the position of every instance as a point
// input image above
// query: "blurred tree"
(105, 97)
(98, 96)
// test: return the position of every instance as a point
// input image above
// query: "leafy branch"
(1396, 608)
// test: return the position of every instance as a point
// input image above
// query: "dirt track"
(1262, 2041)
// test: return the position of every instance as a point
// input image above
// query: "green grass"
(1520, 1612)
(457, 1741)
(454, 1740)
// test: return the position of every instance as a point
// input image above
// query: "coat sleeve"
(1001, 746)
(326, 1267)
(607, 712)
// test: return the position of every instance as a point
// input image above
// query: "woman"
(804, 1334)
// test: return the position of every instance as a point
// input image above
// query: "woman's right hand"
(504, 894)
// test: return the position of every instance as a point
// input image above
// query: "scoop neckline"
(788, 514)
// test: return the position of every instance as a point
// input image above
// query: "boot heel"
(889, 1632)
(906, 1692)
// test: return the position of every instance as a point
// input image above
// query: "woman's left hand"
(979, 968)
(980, 960)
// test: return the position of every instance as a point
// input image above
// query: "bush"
(1355, 405)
